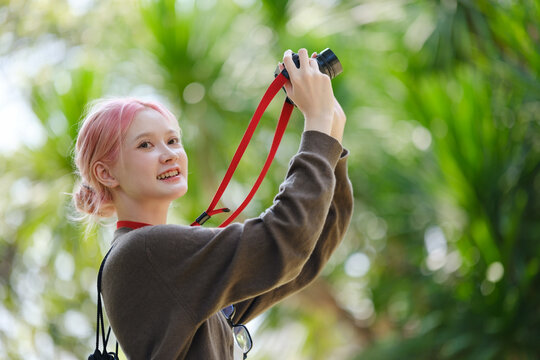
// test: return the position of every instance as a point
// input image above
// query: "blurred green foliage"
(442, 259)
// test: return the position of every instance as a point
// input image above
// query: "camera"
(328, 64)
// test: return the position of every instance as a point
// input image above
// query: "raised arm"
(335, 226)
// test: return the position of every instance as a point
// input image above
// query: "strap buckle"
(207, 215)
(202, 218)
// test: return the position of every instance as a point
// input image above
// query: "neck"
(149, 213)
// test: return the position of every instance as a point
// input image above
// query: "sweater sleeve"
(336, 224)
(207, 269)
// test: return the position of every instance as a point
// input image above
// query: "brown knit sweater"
(164, 286)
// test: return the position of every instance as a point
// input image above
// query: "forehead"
(150, 120)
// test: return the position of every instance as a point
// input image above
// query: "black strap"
(100, 325)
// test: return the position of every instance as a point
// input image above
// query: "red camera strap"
(286, 111)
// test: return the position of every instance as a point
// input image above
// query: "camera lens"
(328, 64)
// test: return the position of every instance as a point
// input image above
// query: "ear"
(103, 174)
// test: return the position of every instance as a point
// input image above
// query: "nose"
(168, 155)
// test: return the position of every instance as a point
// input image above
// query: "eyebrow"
(149, 134)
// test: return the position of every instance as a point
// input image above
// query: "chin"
(173, 191)
(181, 192)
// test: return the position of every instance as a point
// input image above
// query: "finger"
(313, 63)
(288, 61)
(303, 57)
(281, 66)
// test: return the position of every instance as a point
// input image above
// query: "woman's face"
(152, 164)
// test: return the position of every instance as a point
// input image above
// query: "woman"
(164, 286)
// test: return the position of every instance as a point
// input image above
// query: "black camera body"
(328, 64)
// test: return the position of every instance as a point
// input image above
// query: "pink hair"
(100, 136)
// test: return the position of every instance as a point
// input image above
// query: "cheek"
(139, 166)
(183, 158)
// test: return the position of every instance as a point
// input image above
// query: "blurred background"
(442, 259)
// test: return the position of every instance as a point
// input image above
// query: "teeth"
(167, 174)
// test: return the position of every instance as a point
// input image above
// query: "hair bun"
(84, 199)
(88, 201)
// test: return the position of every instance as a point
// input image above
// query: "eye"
(173, 141)
(144, 145)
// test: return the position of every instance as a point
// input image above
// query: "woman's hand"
(312, 93)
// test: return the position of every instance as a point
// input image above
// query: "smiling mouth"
(168, 174)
